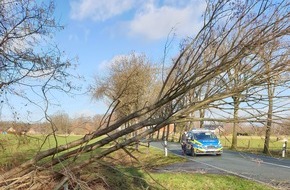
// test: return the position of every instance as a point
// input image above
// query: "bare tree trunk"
(167, 132)
(151, 136)
(269, 118)
(236, 117)
(158, 134)
(174, 133)
(164, 133)
(201, 115)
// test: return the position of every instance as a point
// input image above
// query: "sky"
(97, 31)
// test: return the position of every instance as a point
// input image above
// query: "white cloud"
(99, 10)
(151, 19)
(105, 65)
(157, 22)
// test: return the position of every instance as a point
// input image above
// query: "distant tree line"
(60, 122)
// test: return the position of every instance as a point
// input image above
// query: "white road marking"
(261, 161)
(282, 166)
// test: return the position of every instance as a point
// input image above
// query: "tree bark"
(269, 117)
(201, 115)
(235, 124)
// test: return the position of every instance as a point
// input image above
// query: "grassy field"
(256, 144)
(16, 149)
(120, 171)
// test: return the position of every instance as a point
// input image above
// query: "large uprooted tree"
(234, 32)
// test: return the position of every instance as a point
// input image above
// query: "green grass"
(204, 182)
(140, 176)
(134, 179)
(252, 142)
(120, 171)
(17, 149)
(256, 144)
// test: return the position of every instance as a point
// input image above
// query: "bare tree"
(271, 54)
(261, 22)
(239, 74)
(131, 83)
(29, 62)
(62, 123)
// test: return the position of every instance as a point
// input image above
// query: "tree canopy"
(29, 60)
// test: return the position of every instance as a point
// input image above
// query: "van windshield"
(204, 136)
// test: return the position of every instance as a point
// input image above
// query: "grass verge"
(127, 173)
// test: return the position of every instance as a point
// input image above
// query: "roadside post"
(284, 148)
(165, 147)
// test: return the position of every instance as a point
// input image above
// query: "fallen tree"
(233, 31)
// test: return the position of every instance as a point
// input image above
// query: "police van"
(202, 141)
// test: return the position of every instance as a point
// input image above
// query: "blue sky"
(96, 31)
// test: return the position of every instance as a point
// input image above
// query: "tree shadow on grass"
(117, 171)
(104, 176)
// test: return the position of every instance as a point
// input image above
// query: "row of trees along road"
(236, 65)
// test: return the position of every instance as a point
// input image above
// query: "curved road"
(260, 168)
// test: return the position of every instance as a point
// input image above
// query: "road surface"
(260, 168)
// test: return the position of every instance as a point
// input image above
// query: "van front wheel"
(191, 153)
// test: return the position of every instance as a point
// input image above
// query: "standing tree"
(29, 63)
(62, 123)
(130, 83)
(239, 74)
(271, 54)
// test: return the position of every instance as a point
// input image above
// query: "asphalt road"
(260, 168)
